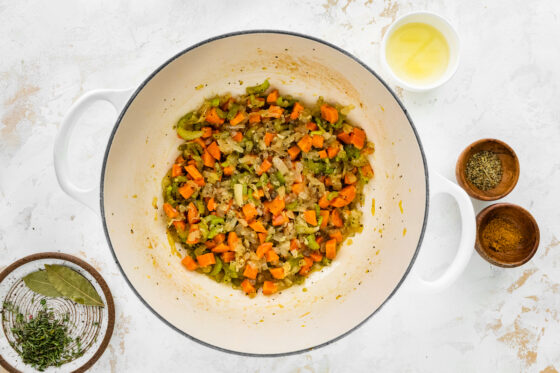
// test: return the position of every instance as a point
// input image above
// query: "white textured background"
(507, 86)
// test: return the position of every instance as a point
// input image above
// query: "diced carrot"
(330, 249)
(325, 214)
(358, 137)
(310, 217)
(304, 271)
(272, 97)
(221, 248)
(214, 150)
(336, 235)
(249, 211)
(275, 111)
(200, 182)
(268, 137)
(294, 152)
(329, 113)
(323, 154)
(265, 166)
(305, 143)
(332, 151)
(263, 248)
(269, 288)
(254, 118)
(228, 170)
(294, 244)
(317, 141)
(316, 256)
(237, 119)
(297, 188)
(212, 117)
(206, 132)
(180, 160)
(271, 256)
(250, 272)
(206, 259)
(336, 219)
(176, 170)
(194, 234)
(189, 263)
(228, 256)
(277, 205)
(277, 273)
(311, 126)
(200, 142)
(320, 239)
(180, 226)
(262, 237)
(219, 238)
(279, 220)
(211, 204)
(350, 178)
(247, 287)
(232, 239)
(324, 201)
(208, 160)
(344, 137)
(210, 244)
(192, 214)
(367, 171)
(345, 196)
(328, 181)
(348, 193)
(193, 171)
(298, 108)
(238, 136)
(258, 226)
(170, 211)
(186, 191)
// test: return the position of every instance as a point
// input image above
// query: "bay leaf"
(73, 285)
(39, 283)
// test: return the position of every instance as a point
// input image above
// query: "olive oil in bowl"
(420, 50)
(418, 53)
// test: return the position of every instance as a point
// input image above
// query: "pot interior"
(369, 266)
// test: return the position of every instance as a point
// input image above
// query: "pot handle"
(439, 185)
(88, 196)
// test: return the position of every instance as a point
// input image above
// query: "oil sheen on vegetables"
(417, 53)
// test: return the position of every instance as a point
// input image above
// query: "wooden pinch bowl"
(510, 167)
(523, 220)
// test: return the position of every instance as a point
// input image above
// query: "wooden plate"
(94, 325)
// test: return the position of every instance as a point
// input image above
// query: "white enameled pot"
(368, 269)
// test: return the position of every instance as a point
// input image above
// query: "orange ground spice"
(501, 235)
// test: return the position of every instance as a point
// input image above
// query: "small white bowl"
(443, 26)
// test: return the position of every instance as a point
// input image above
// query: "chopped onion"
(280, 165)
(238, 194)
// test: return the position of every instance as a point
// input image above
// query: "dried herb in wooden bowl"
(484, 170)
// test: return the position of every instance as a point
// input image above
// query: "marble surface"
(507, 86)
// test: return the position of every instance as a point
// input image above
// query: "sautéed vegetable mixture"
(265, 189)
